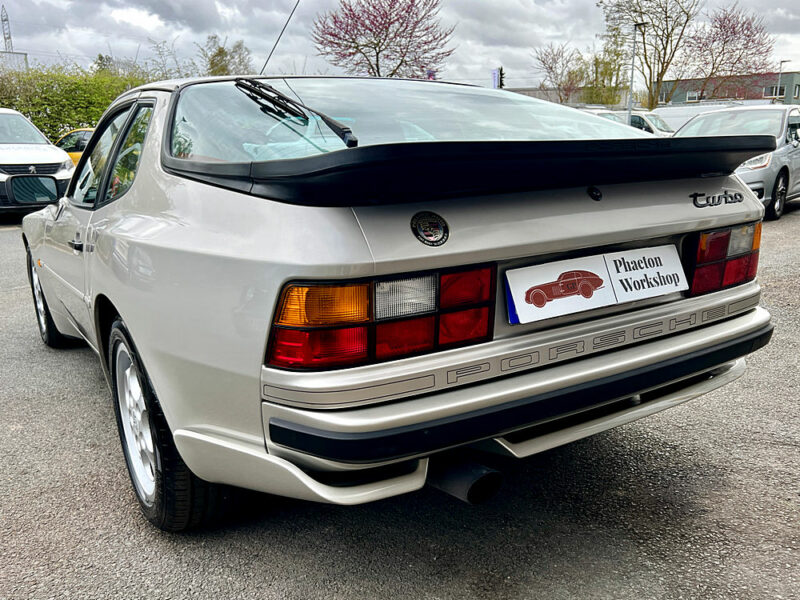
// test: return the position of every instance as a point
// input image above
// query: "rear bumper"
(369, 447)
(363, 454)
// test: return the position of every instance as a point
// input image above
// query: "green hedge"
(60, 98)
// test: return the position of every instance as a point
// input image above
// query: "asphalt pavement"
(701, 501)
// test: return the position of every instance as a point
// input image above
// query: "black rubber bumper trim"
(423, 438)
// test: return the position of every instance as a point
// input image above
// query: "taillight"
(324, 326)
(726, 257)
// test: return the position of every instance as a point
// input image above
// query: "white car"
(649, 122)
(340, 289)
(24, 150)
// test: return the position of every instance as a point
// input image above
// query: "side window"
(794, 126)
(127, 160)
(89, 178)
(69, 143)
(639, 123)
(84, 139)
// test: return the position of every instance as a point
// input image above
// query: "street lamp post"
(636, 27)
(778, 87)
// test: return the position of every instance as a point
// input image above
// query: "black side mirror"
(32, 189)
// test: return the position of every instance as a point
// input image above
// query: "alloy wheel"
(135, 420)
(38, 298)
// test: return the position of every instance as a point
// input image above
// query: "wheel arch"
(784, 170)
(104, 315)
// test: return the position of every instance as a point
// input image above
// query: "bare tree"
(384, 38)
(166, 64)
(561, 68)
(733, 44)
(660, 41)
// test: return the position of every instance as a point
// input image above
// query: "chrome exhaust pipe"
(468, 481)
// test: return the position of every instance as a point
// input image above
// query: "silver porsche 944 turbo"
(336, 289)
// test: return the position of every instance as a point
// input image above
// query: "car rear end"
(431, 354)
(376, 371)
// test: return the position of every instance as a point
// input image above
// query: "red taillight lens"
(468, 287)
(318, 348)
(400, 338)
(708, 278)
(752, 268)
(736, 270)
(463, 326)
(726, 257)
(713, 246)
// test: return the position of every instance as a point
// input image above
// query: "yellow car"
(74, 142)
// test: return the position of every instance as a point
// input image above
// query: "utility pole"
(6, 29)
(636, 27)
(778, 87)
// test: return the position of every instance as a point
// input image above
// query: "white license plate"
(570, 286)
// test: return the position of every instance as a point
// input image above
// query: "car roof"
(9, 111)
(170, 85)
(756, 108)
(635, 111)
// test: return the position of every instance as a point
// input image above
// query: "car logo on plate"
(32, 169)
(430, 228)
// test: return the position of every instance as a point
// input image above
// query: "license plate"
(576, 285)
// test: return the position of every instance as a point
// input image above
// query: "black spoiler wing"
(413, 172)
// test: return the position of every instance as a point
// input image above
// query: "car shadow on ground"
(640, 485)
(614, 496)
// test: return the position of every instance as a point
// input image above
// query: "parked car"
(677, 115)
(74, 142)
(649, 122)
(606, 114)
(25, 150)
(315, 287)
(568, 283)
(773, 176)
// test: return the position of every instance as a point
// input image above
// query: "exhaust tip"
(468, 481)
(485, 487)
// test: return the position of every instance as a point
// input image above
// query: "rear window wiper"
(259, 91)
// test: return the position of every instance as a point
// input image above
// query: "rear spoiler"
(419, 171)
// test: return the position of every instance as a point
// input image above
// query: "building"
(760, 86)
(575, 98)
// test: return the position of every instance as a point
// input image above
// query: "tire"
(50, 334)
(778, 203)
(586, 290)
(171, 497)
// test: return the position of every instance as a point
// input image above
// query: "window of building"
(693, 96)
(769, 91)
(797, 90)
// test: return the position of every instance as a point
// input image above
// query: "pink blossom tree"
(384, 38)
(732, 47)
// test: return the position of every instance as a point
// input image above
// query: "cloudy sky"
(488, 32)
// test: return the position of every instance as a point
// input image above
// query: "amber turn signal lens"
(320, 305)
(757, 236)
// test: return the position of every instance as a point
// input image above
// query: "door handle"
(76, 245)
